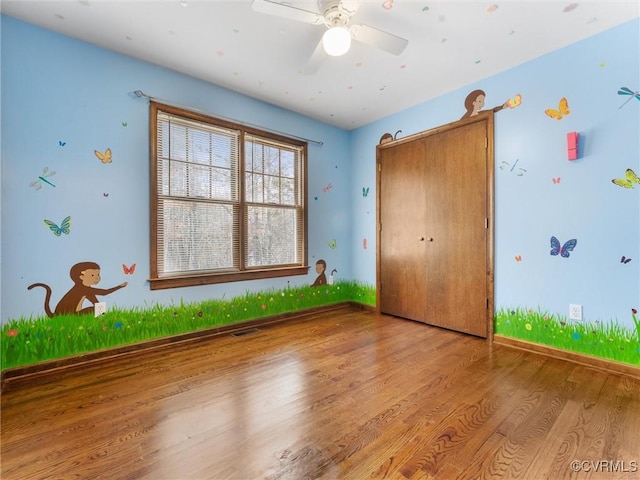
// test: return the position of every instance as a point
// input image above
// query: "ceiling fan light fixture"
(336, 41)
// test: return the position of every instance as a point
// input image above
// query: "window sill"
(212, 278)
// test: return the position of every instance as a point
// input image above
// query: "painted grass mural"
(30, 340)
(605, 340)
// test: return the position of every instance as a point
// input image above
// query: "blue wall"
(56, 89)
(530, 208)
(61, 100)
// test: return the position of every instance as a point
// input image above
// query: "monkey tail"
(47, 297)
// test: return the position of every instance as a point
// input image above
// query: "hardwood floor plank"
(341, 395)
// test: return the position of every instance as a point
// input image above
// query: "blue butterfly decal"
(65, 226)
(564, 249)
(365, 191)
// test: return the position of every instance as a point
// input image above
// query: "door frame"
(487, 117)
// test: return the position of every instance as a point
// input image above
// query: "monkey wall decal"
(84, 276)
(321, 279)
(474, 102)
(387, 137)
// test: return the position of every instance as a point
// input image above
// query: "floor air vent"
(248, 331)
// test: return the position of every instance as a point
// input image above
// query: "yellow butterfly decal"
(104, 157)
(562, 111)
(629, 182)
(515, 101)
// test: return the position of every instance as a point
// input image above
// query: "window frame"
(244, 273)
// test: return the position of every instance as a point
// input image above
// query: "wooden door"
(434, 242)
(403, 217)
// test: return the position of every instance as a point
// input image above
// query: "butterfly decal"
(562, 111)
(515, 101)
(629, 182)
(104, 157)
(129, 270)
(556, 180)
(327, 188)
(365, 191)
(628, 91)
(365, 244)
(61, 143)
(37, 184)
(518, 258)
(625, 259)
(124, 124)
(519, 172)
(65, 226)
(333, 243)
(563, 250)
(315, 197)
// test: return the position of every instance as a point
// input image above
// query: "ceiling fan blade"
(317, 57)
(350, 7)
(377, 38)
(271, 7)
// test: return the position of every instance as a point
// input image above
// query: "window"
(227, 201)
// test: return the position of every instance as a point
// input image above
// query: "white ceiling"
(451, 44)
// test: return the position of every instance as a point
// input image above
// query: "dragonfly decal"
(37, 184)
(519, 172)
(628, 91)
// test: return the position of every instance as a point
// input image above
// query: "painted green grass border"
(604, 340)
(31, 340)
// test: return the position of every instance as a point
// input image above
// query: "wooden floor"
(343, 395)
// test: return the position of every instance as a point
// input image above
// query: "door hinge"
(486, 142)
(379, 167)
(486, 222)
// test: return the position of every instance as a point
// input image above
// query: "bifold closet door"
(433, 252)
(403, 283)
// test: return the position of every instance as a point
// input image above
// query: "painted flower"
(12, 333)
(528, 326)
(263, 306)
(575, 336)
(118, 325)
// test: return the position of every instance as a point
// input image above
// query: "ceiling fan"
(335, 15)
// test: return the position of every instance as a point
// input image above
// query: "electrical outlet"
(575, 312)
(99, 308)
